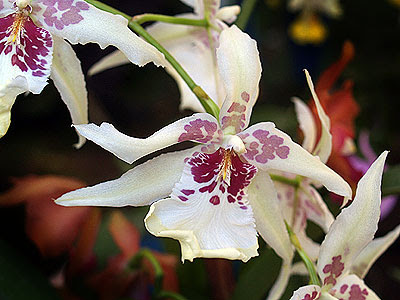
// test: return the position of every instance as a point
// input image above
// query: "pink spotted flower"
(349, 250)
(216, 196)
(32, 49)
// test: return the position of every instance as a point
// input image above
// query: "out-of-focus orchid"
(32, 48)
(308, 28)
(362, 166)
(192, 46)
(52, 228)
(349, 250)
(218, 203)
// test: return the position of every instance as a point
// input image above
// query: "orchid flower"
(308, 28)
(220, 193)
(349, 250)
(188, 44)
(32, 48)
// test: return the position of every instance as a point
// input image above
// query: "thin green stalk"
(136, 262)
(205, 100)
(170, 295)
(293, 182)
(140, 19)
(246, 10)
(314, 279)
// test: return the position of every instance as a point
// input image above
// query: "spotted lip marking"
(27, 45)
(221, 175)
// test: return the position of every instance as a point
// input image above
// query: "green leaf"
(391, 181)
(20, 279)
(257, 276)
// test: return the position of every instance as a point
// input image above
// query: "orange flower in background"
(52, 228)
(342, 109)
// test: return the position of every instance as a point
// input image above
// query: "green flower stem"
(293, 182)
(205, 100)
(314, 279)
(246, 10)
(170, 295)
(140, 19)
(136, 262)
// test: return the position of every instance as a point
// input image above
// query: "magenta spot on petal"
(312, 296)
(356, 293)
(202, 131)
(243, 207)
(231, 199)
(209, 188)
(214, 200)
(183, 198)
(187, 192)
(236, 107)
(343, 288)
(334, 270)
(245, 96)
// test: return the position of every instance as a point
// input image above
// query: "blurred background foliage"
(139, 101)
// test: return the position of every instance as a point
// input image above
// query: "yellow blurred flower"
(307, 29)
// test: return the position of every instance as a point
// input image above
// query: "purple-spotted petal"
(354, 228)
(271, 149)
(66, 73)
(139, 186)
(201, 128)
(25, 51)
(308, 292)
(240, 69)
(352, 288)
(208, 211)
(372, 252)
(80, 22)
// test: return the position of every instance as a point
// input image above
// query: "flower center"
(22, 4)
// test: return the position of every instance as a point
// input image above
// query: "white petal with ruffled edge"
(7, 99)
(202, 128)
(354, 228)
(25, 51)
(208, 211)
(240, 70)
(306, 124)
(324, 147)
(372, 252)
(66, 72)
(311, 292)
(139, 186)
(351, 287)
(80, 22)
(268, 148)
(228, 13)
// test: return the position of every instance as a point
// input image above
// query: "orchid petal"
(80, 22)
(139, 186)
(208, 211)
(267, 213)
(66, 72)
(311, 292)
(372, 252)
(188, 44)
(228, 13)
(202, 128)
(306, 124)
(211, 7)
(191, 3)
(240, 70)
(271, 149)
(354, 228)
(113, 60)
(281, 282)
(324, 147)
(26, 52)
(7, 99)
(6, 8)
(351, 287)
(299, 269)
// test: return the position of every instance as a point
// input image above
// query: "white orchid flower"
(220, 193)
(303, 202)
(32, 48)
(192, 48)
(349, 250)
